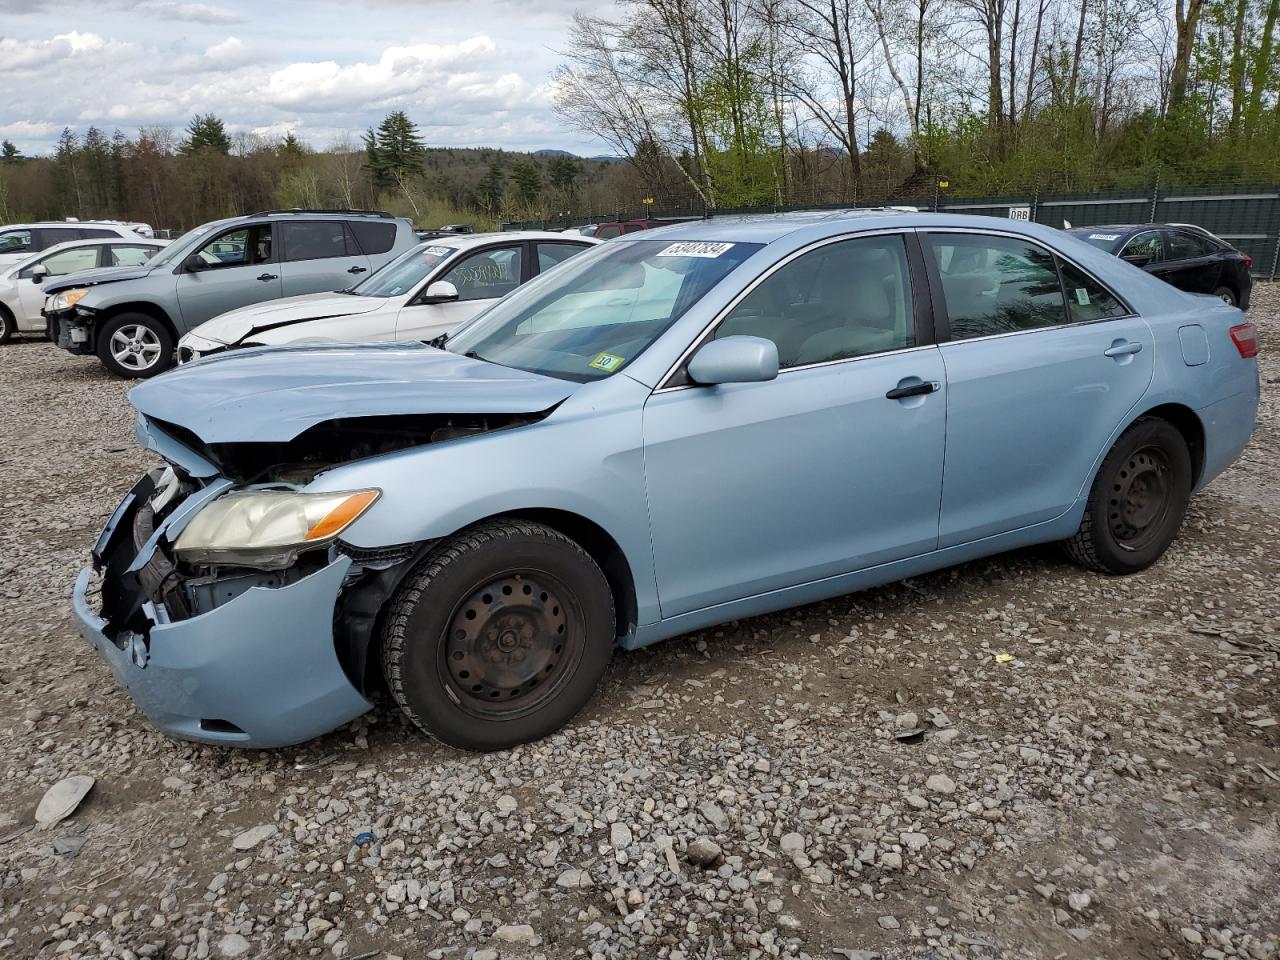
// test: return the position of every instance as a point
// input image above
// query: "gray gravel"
(871, 776)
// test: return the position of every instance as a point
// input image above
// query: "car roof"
(465, 241)
(68, 223)
(109, 241)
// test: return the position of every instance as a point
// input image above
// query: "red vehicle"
(616, 228)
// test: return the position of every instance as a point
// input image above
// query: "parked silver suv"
(131, 317)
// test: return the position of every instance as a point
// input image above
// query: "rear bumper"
(259, 670)
(1228, 427)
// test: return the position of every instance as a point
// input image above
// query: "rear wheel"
(1137, 502)
(1226, 295)
(135, 345)
(6, 325)
(499, 637)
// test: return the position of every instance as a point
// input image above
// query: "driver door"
(238, 267)
(482, 278)
(31, 295)
(832, 467)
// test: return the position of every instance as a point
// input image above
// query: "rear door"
(1038, 379)
(1190, 262)
(237, 267)
(553, 252)
(318, 256)
(47, 237)
(482, 278)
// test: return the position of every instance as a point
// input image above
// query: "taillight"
(1248, 262)
(1245, 337)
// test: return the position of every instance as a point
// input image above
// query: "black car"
(1188, 257)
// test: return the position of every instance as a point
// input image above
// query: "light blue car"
(700, 423)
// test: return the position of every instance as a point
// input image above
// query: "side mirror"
(1137, 259)
(193, 264)
(442, 291)
(38, 273)
(735, 360)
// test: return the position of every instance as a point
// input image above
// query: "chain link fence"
(1246, 215)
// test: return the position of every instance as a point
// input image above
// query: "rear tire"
(1227, 296)
(499, 637)
(135, 345)
(1137, 502)
(7, 325)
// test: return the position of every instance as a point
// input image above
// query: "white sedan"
(420, 295)
(21, 295)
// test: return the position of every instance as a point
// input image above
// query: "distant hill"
(554, 153)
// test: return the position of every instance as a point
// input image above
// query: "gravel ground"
(1098, 772)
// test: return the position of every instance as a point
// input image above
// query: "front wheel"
(499, 637)
(135, 345)
(1137, 502)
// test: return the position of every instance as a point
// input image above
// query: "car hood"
(273, 394)
(92, 278)
(235, 325)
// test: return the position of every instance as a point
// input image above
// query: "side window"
(996, 285)
(374, 237)
(16, 241)
(549, 254)
(314, 240)
(609, 232)
(91, 233)
(1086, 298)
(241, 247)
(488, 274)
(66, 261)
(49, 236)
(846, 299)
(122, 256)
(1184, 246)
(1147, 245)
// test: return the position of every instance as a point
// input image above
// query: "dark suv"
(131, 317)
(1188, 257)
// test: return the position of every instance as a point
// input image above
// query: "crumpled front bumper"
(259, 670)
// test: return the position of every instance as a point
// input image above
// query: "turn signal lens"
(341, 516)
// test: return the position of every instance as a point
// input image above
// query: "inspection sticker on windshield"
(607, 361)
(695, 248)
(1104, 236)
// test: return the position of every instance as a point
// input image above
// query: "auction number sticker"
(439, 251)
(606, 362)
(1104, 236)
(696, 248)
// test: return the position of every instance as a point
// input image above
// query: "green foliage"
(206, 132)
(489, 190)
(528, 181)
(9, 153)
(394, 151)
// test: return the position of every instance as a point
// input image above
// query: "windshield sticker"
(695, 248)
(1104, 236)
(1082, 296)
(439, 251)
(607, 361)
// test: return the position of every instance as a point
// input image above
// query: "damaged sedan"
(706, 422)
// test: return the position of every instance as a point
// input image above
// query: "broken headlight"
(268, 528)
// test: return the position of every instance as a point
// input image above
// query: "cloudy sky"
(469, 72)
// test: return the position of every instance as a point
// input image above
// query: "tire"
(1227, 296)
(499, 637)
(135, 345)
(1137, 501)
(7, 325)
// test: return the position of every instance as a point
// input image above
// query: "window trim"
(537, 242)
(942, 320)
(922, 315)
(1142, 233)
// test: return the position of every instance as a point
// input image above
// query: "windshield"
(1105, 240)
(404, 273)
(179, 248)
(597, 312)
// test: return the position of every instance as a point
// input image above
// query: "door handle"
(264, 277)
(1122, 347)
(914, 390)
(358, 270)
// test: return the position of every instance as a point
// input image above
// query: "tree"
(206, 132)
(393, 152)
(9, 153)
(528, 181)
(563, 173)
(489, 190)
(67, 174)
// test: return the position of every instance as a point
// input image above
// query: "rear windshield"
(1105, 240)
(373, 237)
(598, 311)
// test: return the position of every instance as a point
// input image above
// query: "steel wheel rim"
(511, 644)
(135, 346)
(1140, 499)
